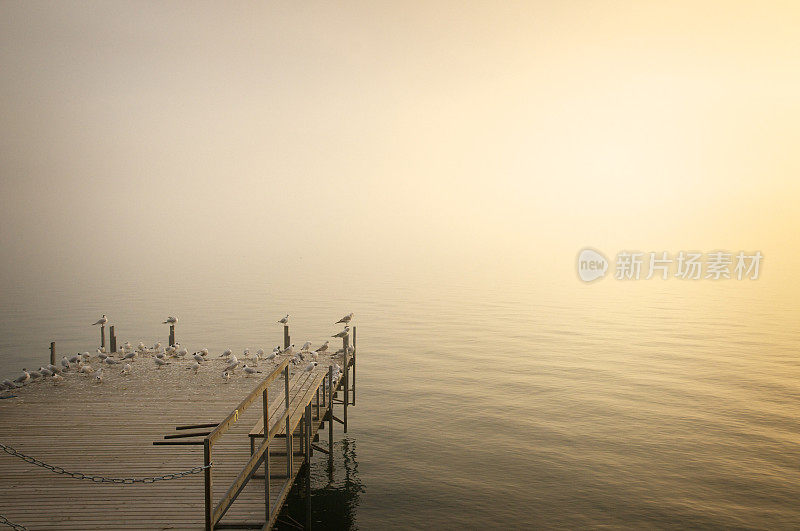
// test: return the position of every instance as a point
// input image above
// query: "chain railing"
(101, 479)
(12, 525)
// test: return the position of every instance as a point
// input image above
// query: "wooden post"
(330, 411)
(102, 336)
(289, 443)
(346, 390)
(112, 339)
(52, 353)
(171, 335)
(265, 397)
(309, 450)
(309, 453)
(206, 462)
(355, 349)
(286, 337)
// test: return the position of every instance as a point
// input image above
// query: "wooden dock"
(125, 428)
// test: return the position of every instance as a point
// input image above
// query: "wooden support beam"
(176, 443)
(190, 434)
(52, 353)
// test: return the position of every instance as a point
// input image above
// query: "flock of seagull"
(161, 356)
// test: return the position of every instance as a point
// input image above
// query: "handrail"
(260, 453)
(244, 404)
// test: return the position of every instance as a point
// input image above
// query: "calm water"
(496, 405)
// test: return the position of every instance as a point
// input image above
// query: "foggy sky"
(399, 135)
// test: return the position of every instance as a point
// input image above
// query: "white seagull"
(103, 320)
(346, 319)
(285, 320)
(160, 363)
(250, 371)
(226, 354)
(194, 365)
(170, 320)
(306, 346)
(343, 333)
(57, 379)
(310, 367)
(324, 347)
(127, 368)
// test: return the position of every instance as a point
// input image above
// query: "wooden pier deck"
(108, 430)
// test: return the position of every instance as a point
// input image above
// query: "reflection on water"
(335, 492)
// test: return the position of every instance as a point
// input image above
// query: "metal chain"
(101, 479)
(9, 523)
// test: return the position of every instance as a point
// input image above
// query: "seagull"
(100, 354)
(260, 352)
(226, 354)
(255, 359)
(75, 358)
(204, 352)
(102, 321)
(306, 346)
(9, 384)
(197, 358)
(310, 367)
(246, 353)
(98, 378)
(346, 319)
(250, 371)
(170, 320)
(272, 356)
(285, 320)
(86, 369)
(289, 350)
(314, 356)
(181, 352)
(65, 363)
(157, 346)
(324, 347)
(195, 365)
(57, 379)
(343, 333)
(52, 368)
(45, 371)
(277, 349)
(126, 369)
(160, 355)
(111, 361)
(85, 356)
(160, 363)
(129, 356)
(232, 365)
(226, 376)
(35, 374)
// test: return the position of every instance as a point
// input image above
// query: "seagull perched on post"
(306, 346)
(170, 320)
(324, 347)
(285, 320)
(343, 333)
(103, 320)
(346, 319)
